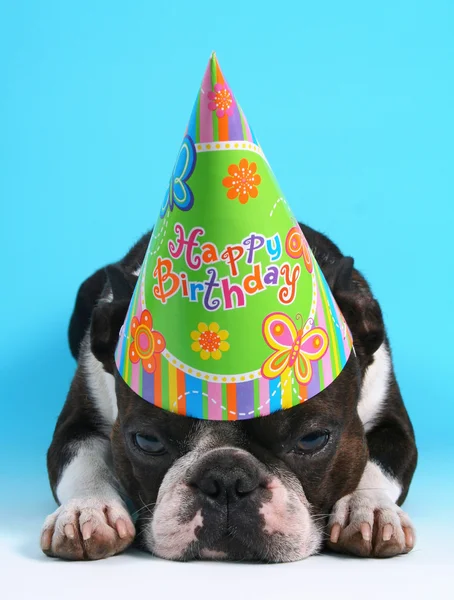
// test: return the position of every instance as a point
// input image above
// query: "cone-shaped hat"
(231, 317)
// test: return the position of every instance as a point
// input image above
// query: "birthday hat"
(231, 317)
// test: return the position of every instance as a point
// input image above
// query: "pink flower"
(221, 100)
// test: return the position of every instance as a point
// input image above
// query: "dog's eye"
(312, 442)
(149, 444)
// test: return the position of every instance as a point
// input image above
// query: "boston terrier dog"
(329, 473)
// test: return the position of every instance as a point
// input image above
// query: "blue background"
(353, 104)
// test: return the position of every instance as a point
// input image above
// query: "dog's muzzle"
(224, 503)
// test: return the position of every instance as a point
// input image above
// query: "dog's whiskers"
(144, 507)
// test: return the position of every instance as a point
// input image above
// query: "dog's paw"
(368, 523)
(87, 529)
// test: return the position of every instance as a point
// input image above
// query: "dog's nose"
(221, 484)
(227, 476)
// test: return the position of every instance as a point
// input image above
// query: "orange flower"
(243, 181)
(146, 342)
(209, 340)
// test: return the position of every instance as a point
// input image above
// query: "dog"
(330, 473)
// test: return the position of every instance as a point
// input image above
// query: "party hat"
(231, 317)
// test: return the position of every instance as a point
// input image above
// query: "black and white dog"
(331, 472)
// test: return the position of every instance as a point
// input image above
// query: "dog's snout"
(226, 476)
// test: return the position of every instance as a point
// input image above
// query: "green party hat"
(231, 317)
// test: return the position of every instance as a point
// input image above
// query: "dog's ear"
(108, 315)
(339, 275)
(360, 309)
(121, 282)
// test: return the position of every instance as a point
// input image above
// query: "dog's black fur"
(389, 442)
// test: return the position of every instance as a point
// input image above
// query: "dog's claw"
(387, 532)
(409, 539)
(86, 530)
(335, 533)
(46, 539)
(121, 528)
(69, 531)
(366, 532)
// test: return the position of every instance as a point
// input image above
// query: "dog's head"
(259, 489)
